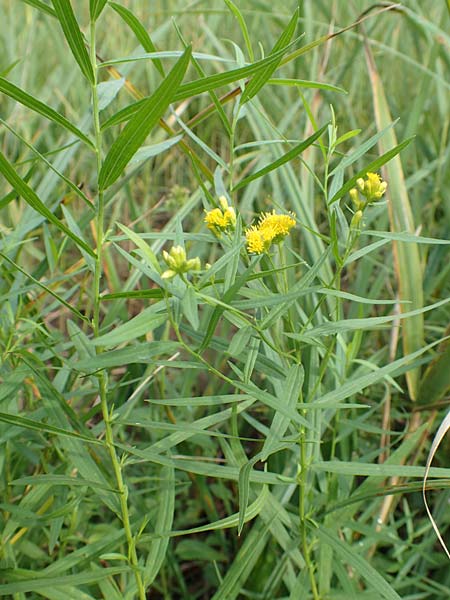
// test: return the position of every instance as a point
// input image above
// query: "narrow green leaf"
(44, 427)
(24, 190)
(373, 166)
(30, 101)
(259, 80)
(139, 31)
(218, 311)
(358, 562)
(290, 395)
(205, 84)
(344, 325)
(138, 353)
(244, 489)
(283, 159)
(252, 511)
(137, 129)
(357, 469)
(353, 386)
(243, 26)
(436, 381)
(143, 323)
(316, 85)
(95, 8)
(405, 237)
(155, 293)
(37, 582)
(164, 520)
(74, 37)
(64, 480)
(45, 8)
(46, 288)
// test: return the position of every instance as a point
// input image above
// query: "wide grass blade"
(408, 267)
(74, 37)
(137, 129)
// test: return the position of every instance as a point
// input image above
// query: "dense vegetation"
(225, 299)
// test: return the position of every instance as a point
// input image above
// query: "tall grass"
(222, 357)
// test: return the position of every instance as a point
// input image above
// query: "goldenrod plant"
(225, 300)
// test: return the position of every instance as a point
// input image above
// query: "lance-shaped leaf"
(74, 37)
(30, 196)
(41, 6)
(140, 125)
(139, 31)
(283, 159)
(205, 84)
(30, 101)
(257, 82)
(95, 8)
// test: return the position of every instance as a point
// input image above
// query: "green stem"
(302, 489)
(102, 376)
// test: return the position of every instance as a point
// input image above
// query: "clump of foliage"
(223, 336)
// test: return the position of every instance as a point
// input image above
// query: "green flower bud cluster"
(178, 262)
(371, 189)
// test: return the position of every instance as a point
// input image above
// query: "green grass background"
(186, 433)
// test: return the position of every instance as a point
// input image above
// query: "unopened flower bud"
(356, 220)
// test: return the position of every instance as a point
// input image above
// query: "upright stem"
(302, 488)
(102, 375)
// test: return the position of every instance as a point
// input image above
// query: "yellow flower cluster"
(271, 229)
(223, 219)
(372, 188)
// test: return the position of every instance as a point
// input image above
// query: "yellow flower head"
(278, 225)
(271, 229)
(221, 219)
(256, 241)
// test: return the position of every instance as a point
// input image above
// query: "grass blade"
(407, 262)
